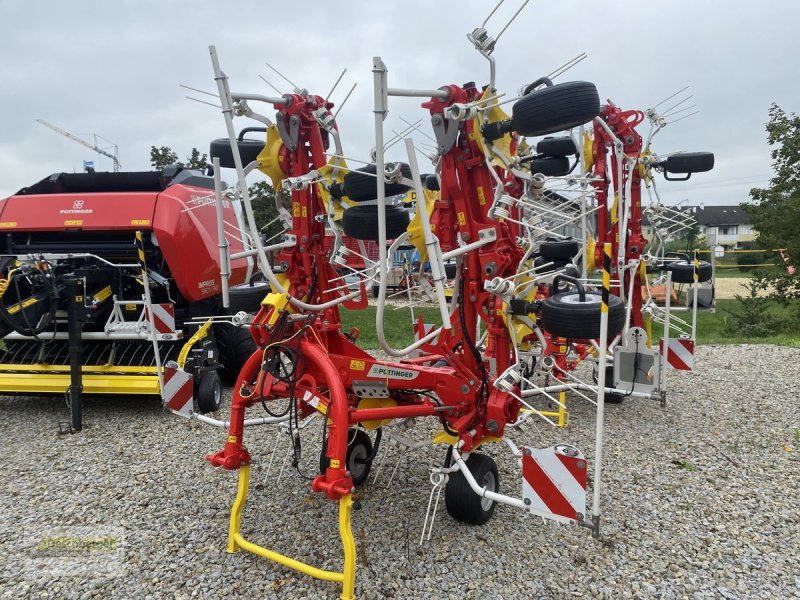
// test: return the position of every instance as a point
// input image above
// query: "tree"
(162, 157)
(196, 161)
(775, 210)
(262, 196)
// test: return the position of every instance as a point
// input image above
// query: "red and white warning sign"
(163, 319)
(681, 353)
(178, 391)
(554, 482)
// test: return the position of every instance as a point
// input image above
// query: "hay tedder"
(106, 282)
(527, 306)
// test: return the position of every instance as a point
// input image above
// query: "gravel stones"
(700, 500)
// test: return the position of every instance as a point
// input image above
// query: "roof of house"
(713, 216)
(721, 215)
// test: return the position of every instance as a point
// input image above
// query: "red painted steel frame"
(332, 363)
(623, 125)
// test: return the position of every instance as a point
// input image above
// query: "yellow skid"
(55, 379)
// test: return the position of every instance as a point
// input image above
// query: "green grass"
(710, 326)
(397, 325)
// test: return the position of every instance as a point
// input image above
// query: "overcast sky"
(113, 68)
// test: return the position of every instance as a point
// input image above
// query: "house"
(727, 226)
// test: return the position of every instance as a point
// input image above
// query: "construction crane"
(114, 157)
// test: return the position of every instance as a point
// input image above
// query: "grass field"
(711, 327)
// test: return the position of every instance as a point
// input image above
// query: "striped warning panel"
(681, 353)
(554, 482)
(178, 392)
(163, 318)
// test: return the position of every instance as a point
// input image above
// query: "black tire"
(248, 150)
(208, 393)
(564, 315)
(549, 166)
(376, 291)
(565, 249)
(683, 271)
(614, 398)
(247, 296)
(552, 265)
(562, 145)
(556, 108)
(361, 222)
(465, 505)
(450, 270)
(235, 346)
(359, 446)
(362, 186)
(690, 162)
(432, 183)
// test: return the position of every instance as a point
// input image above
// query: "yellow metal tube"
(349, 547)
(347, 577)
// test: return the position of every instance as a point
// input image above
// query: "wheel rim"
(490, 483)
(576, 299)
(217, 394)
(357, 469)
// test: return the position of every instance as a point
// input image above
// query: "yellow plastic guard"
(268, 159)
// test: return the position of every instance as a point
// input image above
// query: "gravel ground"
(701, 500)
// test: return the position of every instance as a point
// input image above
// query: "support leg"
(238, 505)
(349, 547)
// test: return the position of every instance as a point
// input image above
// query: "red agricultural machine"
(527, 307)
(107, 283)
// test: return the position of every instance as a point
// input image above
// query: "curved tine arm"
(263, 262)
(260, 98)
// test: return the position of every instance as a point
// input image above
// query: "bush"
(753, 318)
(746, 259)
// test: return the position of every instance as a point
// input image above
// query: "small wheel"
(361, 222)
(248, 151)
(614, 398)
(551, 264)
(562, 145)
(462, 503)
(376, 291)
(209, 392)
(359, 448)
(683, 271)
(362, 184)
(565, 315)
(690, 162)
(549, 166)
(555, 108)
(247, 296)
(554, 249)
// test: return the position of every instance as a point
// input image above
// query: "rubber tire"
(563, 315)
(461, 502)
(208, 393)
(358, 445)
(557, 265)
(549, 166)
(247, 297)
(562, 145)
(609, 398)
(683, 271)
(450, 270)
(431, 183)
(361, 222)
(235, 346)
(556, 108)
(360, 187)
(690, 162)
(555, 249)
(248, 150)
(376, 291)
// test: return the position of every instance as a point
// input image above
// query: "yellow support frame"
(347, 577)
(561, 413)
